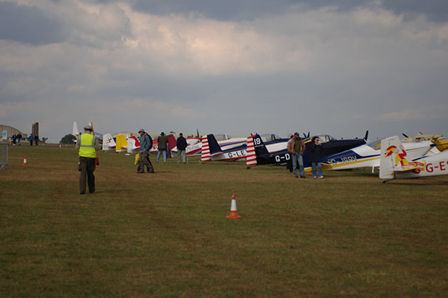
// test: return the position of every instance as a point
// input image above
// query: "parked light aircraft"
(224, 144)
(211, 150)
(365, 156)
(394, 162)
(440, 142)
(281, 155)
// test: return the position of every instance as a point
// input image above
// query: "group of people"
(296, 148)
(162, 150)
(88, 145)
(16, 139)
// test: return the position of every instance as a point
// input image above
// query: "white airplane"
(395, 163)
(365, 156)
(212, 151)
(195, 148)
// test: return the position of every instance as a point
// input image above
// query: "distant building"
(10, 131)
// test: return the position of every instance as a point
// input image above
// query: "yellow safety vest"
(87, 146)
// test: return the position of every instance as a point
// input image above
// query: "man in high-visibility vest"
(87, 144)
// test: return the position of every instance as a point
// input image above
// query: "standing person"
(19, 139)
(162, 144)
(145, 145)
(36, 140)
(181, 144)
(87, 144)
(316, 157)
(296, 147)
(31, 139)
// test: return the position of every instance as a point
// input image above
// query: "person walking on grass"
(145, 145)
(296, 147)
(31, 139)
(87, 144)
(316, 157)
(162, 145)
(181, 144)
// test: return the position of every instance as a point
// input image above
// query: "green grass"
(166, 234)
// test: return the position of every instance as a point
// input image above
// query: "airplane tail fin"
(259, 149)
(121, 143)
(133, 144)
(251, 156)
(75, 130)
(215, 149)
(210, 147)
(205, 151)
(393, 158)
(171, 141)
(108, 142)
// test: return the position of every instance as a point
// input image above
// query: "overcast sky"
(235, 66)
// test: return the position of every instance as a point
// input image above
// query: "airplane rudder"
(213, 144)
(205, 151)
(389, 150)
(251, 157)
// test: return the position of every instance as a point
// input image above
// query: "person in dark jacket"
(19, 139)
(162, 145)
(181, 145)
(316, 157)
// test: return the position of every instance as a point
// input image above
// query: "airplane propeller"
(405, 135)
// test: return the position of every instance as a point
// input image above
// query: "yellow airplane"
(419, 138)
(440, 142)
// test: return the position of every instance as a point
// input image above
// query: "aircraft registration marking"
(237, 154)
(282, 158)
(344, 159)
(442, 166)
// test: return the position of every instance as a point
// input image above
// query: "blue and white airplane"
(280, 155)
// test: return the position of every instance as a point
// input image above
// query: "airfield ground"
(166, 234)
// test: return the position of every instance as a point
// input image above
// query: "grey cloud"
(28, 25)
(436, 10)
(235, 9)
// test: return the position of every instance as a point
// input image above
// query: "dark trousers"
(87, 167)
(144, 161)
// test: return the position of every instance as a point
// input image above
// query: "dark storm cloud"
(28, 25)
(436, 10)
(236, 9)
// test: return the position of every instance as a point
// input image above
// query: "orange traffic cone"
(233, 212)
(25, 161)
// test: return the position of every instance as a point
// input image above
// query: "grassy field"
(166, 234)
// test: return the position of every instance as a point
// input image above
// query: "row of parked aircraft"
(421, 155)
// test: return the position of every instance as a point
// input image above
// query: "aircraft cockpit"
(325, 138)
(269, 137)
